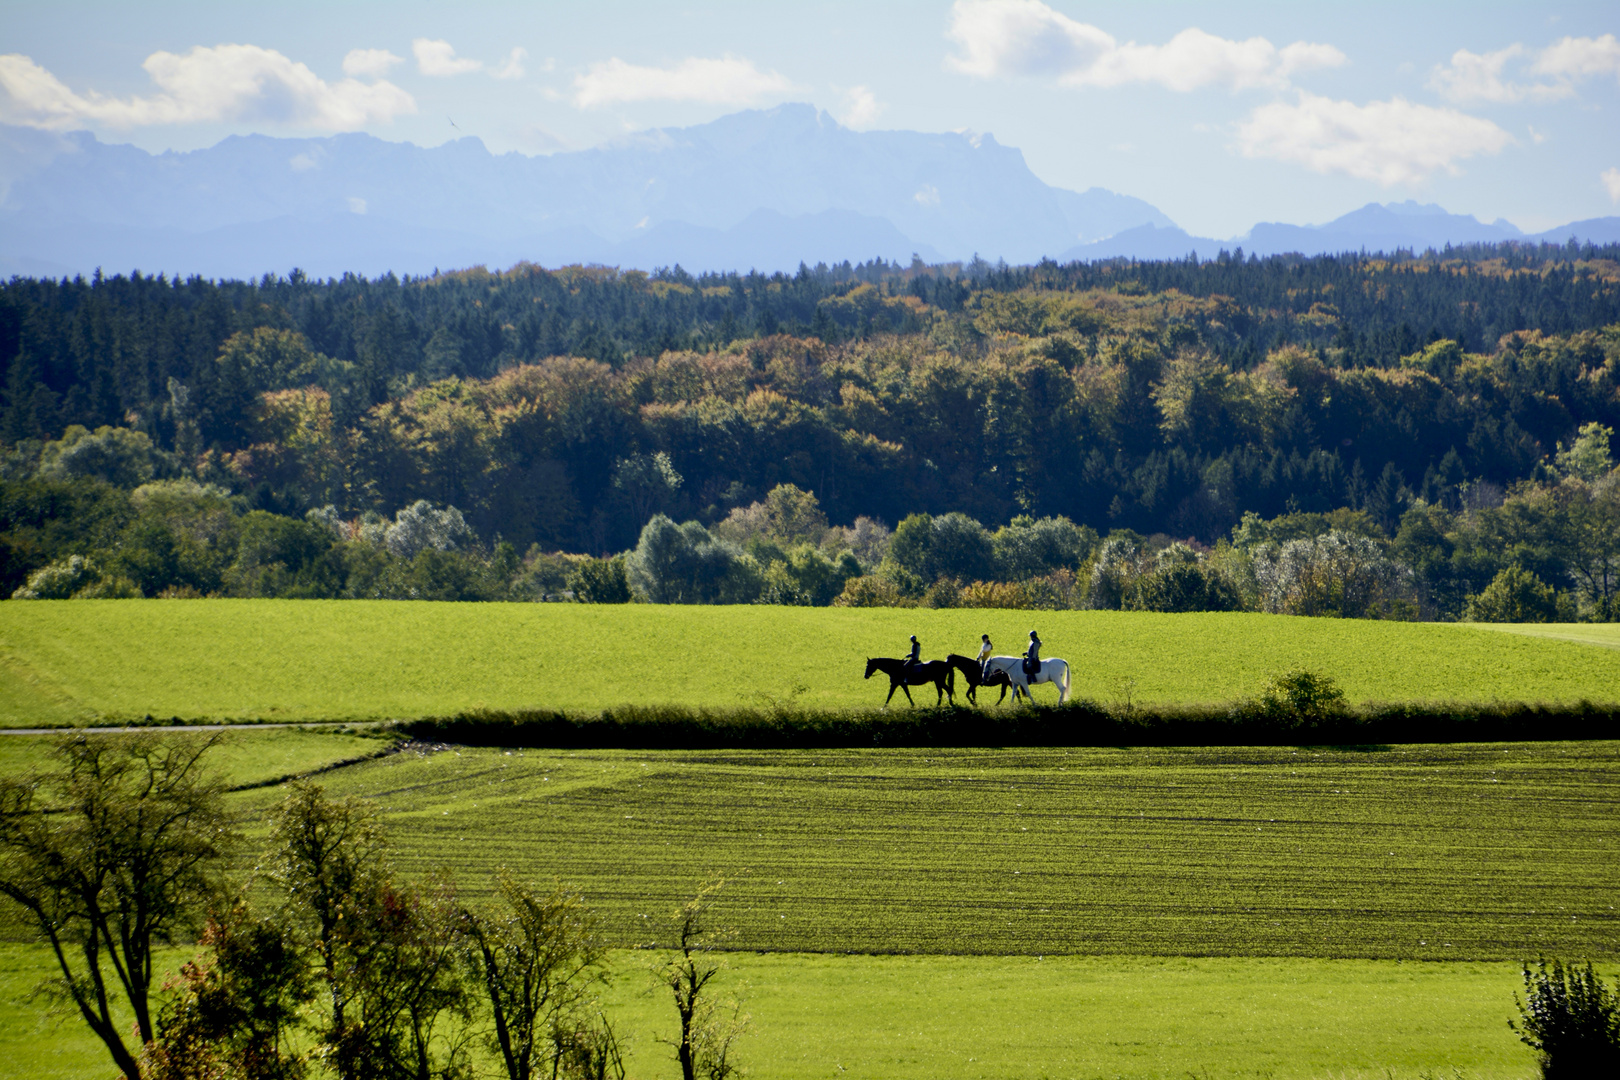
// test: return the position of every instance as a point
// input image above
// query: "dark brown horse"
(974, 675)
(938, 672)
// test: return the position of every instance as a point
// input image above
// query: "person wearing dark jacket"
(1032, 658)
(914, 660)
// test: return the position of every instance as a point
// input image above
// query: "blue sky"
(1220, 116)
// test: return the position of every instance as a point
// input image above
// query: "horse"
(1054, 671)
(938, 672)
(974, 674)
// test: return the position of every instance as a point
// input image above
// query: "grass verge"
(950, 1017)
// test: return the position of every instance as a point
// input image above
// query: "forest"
(1416, 436)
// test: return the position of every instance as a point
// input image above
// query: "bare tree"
(709, 1025)
(116, 850)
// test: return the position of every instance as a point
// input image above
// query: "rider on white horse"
(1032, 658)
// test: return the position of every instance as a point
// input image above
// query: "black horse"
(938, 672)
(974, 674)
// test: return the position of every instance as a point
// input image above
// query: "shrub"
(1184, 586)
(59, 580)
(1571, 1020)
(1301, 698)
(944, 593)
(996, 594)
(871, 591)
(110, 588)
(600, 581)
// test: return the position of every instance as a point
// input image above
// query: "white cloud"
(357, 205)
(439, 58)
(730, 80)
(226, 82)
(1478, 77)
(1611, 180)
(861, 108)
(1391, 142)
(1009, 38)
(513, 68)
(1579, 58)
(370, 62)
(1473, 77)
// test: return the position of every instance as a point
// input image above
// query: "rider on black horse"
(1032, 658)
(913, 662)
(984, 657)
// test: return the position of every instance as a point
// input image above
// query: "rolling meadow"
(1286, 911)
(1235, 912)
(277, 660)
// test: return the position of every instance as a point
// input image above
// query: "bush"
(600, 581)
(1184, 586)
(59, 580)
(1571, 1020)
(944, 593)
(871, 591)
(1301, 698)
(996, 594)
(110, 588)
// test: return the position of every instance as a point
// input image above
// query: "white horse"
(1054, 671)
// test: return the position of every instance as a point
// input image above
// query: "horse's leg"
(892, 687)
(907, 691)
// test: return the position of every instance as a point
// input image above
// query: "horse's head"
(871, 666)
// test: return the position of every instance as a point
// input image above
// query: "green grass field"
(1479, 852)
(246, 757)
(1045, 895)
(354, 660)
(931, 1017)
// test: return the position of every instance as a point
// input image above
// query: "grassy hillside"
(77, 661)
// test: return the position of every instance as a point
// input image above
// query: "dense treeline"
(354, 437)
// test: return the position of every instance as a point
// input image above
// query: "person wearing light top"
(984, 657)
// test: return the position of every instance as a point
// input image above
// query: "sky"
(1221, 116)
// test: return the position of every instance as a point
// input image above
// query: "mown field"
(85, 661)
(1226, 912)
(1480, 852)
(934, 1017)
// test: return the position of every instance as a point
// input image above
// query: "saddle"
(1031, 667)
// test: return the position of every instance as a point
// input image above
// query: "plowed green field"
(1482, 852)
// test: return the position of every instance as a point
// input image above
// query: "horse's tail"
(1063, 687)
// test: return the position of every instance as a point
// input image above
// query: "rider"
(1032, 658)
(984, 657)
(914, 661)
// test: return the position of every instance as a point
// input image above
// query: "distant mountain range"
(755, 190)
(1375, 227)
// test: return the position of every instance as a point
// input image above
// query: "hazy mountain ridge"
(1386, 227)
(892, 193)
(763, 189)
